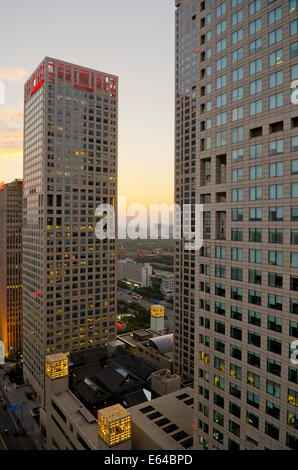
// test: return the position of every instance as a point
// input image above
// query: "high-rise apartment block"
(11, 215)
(70, 167)
(236, 299)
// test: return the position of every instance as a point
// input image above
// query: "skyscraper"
(70, 167)
(236, 153)
(11, 216)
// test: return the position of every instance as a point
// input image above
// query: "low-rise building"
(164, 423)
(164, 282)
(134, 273)
(151, 347)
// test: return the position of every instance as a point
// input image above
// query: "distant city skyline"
(127, 38)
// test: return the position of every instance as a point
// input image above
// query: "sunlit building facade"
(70, 167)
(236, 301)
(11, 215)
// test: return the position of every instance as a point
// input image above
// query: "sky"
(133, 39)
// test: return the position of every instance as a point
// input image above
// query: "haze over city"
(132, 39)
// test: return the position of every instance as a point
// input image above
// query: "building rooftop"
(107, 379)
(80, 416)
(168, 420)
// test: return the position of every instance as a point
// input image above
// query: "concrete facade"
(236, 153)
(11, 216)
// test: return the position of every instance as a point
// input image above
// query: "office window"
(221, 27)
(294, 237)
(237, 155)
(237, 113)
(254, 360)
(294, 213)
(276, 79)
(294, 190)
(220, 271)
(255, 235)
(271, 430)
(237, 195)
(276, 169)
(237, 93)
(220, 252)
(256, 107)
(237, 17)
(291, 441)
(236, 274)
(255, 213)
(237, 36)
(237, 55)
(275, 235)
(255, 46)
(275, 36)
(221, 100)
(237, 215)
(237, 74)
(221, 139)
(255, 151)
(274, 15)
(221, 63)
(294, 144)
(255, 87)
(276, 101)
(255, 26)
(237, 175)
(273, 389)
(272, 409)
(237, 254)
(220, 10)
(254, 276)
(221, 82)
(235, 371)
(274, 367)
(255, 256)
(237, 134)
(255, 193)
(294, 50)
(235, 390)
(275, 58)
(254, 7)
(276, 191)
(254, 297)
(275, 301)
(294, 72)
(276, 147)
(236, 332)
(294, 167)
(294, 260)
(255, 67)
(254, 318)
(221, 119)
(221, 45)
(275, 280)
(294, 27)
(275, 258)
(255, 172)
(276, 214)
(235, 3)
(236, 312)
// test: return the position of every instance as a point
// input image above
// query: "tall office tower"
(70, 167)
(11, 216)
(185, 183)
(235, 64)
